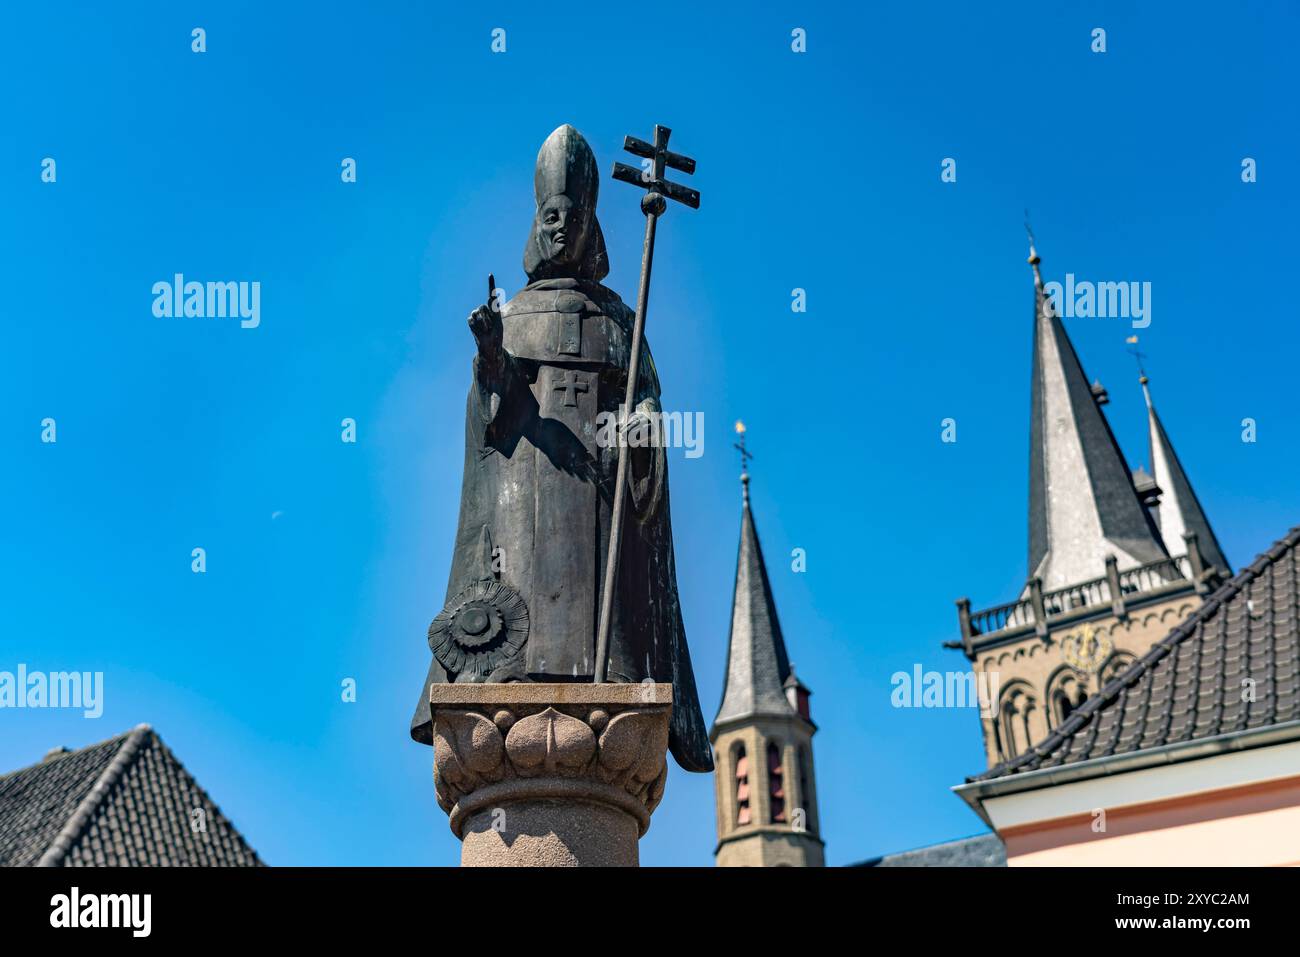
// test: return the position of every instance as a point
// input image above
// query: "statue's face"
(563, 230)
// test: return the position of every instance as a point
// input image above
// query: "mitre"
(566, 166)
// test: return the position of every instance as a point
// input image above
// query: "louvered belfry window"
(803, 787)
(776, 783)
(742, 787)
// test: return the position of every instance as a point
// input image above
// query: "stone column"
(550, 775)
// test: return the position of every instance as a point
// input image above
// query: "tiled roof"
(124, 802)
(983, 850)
(1193, 683)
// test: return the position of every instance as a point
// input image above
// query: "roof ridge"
(1156, 653)
(67, 754)
(67, 836)
(237, 835)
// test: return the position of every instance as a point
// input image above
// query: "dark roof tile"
(983, 850)
(127, 801)
(1190, 684)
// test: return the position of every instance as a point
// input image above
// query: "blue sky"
(819, 171)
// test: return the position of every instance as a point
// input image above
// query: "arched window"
(1018, 703)
(1115, 666)
(805, 799)
(742, 786)
(775, 784)
(995, 722)
(1065, 692)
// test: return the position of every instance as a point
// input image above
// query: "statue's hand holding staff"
(636, 430)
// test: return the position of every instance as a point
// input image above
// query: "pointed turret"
(1082, 501)
(762, 736)
(757, 663)
(1179, 510)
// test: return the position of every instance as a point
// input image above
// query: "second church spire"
(1082, 502)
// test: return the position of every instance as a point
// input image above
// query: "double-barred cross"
(661, 158)
(653, 203)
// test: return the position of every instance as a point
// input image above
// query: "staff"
(653, 205)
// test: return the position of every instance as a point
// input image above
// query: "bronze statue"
(537, 496)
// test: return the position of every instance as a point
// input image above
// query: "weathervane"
(1138, 357)
(745, 456)
(653, 204)
(1034, 260)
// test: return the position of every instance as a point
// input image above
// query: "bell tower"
(1116, 557)
(762, 736)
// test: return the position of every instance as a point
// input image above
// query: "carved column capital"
(558, 765)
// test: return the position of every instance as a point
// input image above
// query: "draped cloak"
(537, 496)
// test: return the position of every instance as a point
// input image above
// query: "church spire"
(1179, 510)
(766, 783)
(757, 663)
(1082, 501)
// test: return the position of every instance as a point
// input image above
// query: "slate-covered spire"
(1082, 502)
(1179, 510)
(757, 663)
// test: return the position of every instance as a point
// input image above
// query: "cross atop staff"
(660, 156)
(653, 204)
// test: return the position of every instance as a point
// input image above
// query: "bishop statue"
(549, 374)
